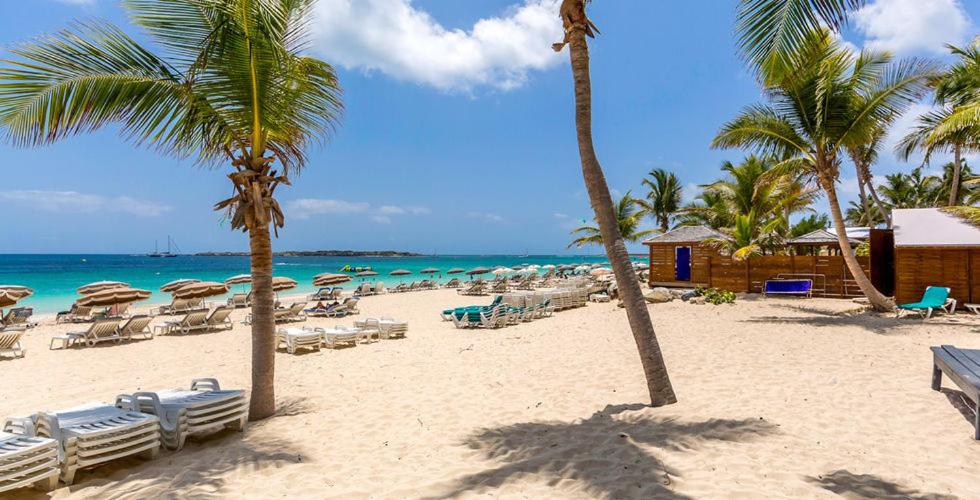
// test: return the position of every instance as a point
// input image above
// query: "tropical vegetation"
(628, 219)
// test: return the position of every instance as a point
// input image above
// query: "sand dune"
(778, 398)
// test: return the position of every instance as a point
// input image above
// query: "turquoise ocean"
(54, 278)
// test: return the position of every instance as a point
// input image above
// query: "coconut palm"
(708, 209)
(913, 190)
(628, 218)
(749, 237)
(809, 224)
(822, 101)
(663, 197)
(229, 84)
(577, 27)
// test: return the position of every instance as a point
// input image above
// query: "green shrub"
(715, 296)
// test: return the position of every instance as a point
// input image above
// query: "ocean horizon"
(54, 277)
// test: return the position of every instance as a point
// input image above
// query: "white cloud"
(391, 210)
(75, 202)
(305, 208)
(485, 216)
(560, 216)
(401, 40)
(904, 26)
(77, 2)
(381, 219)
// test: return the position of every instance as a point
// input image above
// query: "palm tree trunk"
(863, 195)
(263, 401)
(658, 382)
(877, 300)
(885, 214)
(954, 188)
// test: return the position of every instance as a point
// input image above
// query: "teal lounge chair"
(935, 297)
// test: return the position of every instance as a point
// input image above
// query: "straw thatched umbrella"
(456, 270)
(174, 285)
(240, 279)
(21, 292)
(98, 286)
(8, 299)
(400, 272)
(114, 297)
(200, 290)
(280, 283)
(477, 270)
(429, 270)
(363, 274)
(328, 279)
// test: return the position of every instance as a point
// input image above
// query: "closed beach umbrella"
(174, 285)
(239, 280)
(200, 290)
(478, 270)
(429, 270)
(98, 286)
(114, 296)
(21, 292)
(280, 283)
(455, 270)
(366, 273)
(400, 272)
(328, 279)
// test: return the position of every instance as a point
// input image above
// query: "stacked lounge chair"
(25, 459)
(204, 408)
(294, 339)
(96, 433)
(386, 328)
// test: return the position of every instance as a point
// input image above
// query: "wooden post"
(937, 377)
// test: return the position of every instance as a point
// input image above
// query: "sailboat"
(169, 253)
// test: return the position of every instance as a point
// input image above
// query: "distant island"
(317, 253)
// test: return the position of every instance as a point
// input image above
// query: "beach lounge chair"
(291, 314)
(400, 288)
(474, 289)
(25, 459)
(364, 290)
(803, 287)
(962, 366)
(387, 328)
(453, 283)
(77, 314)
(203, 409)
(935, 297)
(327, 311)
(138, 325)
(294, 339)
(201, 322)
(326, 293)
(239, 300)
(19, 316)
(96, 433)
(350, 305)
(10, 343)
(333, 337)
(99, 331)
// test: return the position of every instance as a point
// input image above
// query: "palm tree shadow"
(606, 454)
(818, 317)
(850, 485)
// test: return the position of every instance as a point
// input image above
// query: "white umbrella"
(548, 266)
(502, 270)
(601, 271)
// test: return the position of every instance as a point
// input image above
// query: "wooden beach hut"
(678, 258)
(934, 248)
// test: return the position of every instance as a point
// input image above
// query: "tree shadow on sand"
(197, 471)
(601, 452)
(850, 485)
(874, 323)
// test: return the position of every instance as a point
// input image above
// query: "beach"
(777, 398)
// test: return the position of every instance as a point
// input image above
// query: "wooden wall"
(720, 271)
(956, 268)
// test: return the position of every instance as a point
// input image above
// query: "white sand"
(778, 398)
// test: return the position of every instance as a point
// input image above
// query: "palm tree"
(628, 218)
(810, 224)
(822, 101)
(864, 155)
(955, 186)
(663, 198)
(748, 238)
(577, 27)
(913, 190)
(708, 209)
(230, 85)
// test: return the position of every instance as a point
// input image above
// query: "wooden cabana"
(678, 258)
(934, 248)
(817, 242)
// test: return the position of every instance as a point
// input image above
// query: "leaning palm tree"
(577, 27)
(628, 218)
(663, 199)
(230, 85)
(821, 102)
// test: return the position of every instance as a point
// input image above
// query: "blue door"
(682, 264)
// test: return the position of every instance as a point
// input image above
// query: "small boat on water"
(171, 245)
(355, 269)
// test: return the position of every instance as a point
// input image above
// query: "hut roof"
(931, 227)
(686, 234)
(820, 237)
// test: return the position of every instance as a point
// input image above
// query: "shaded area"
(961, 402)
(850, 485)
(874, 323)
(602, 453)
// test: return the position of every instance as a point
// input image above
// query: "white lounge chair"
(387, 328)
(25, 459)
(138, 325)
(77, 314)
(10, 341)
(201, 322)
(100, 331)
(96, 433)
(333, 337)
(293, 313)
(240, 300)
(203, 409)
(298, 338)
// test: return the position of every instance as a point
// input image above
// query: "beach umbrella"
(456, 270)
(114, 296)
(21, 292)
(363, 274)
(200, 290)
(328, 279)
(241, 279)
(429, 270)
(8, 299)
(174, 285)
(477, 270)
(548, 266)
(601, 271)
(280, 283)
(502, 270)
(98, 286)
(400, 272)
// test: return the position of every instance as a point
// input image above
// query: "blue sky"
(458, 135)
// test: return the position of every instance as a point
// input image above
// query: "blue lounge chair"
(935, 297)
